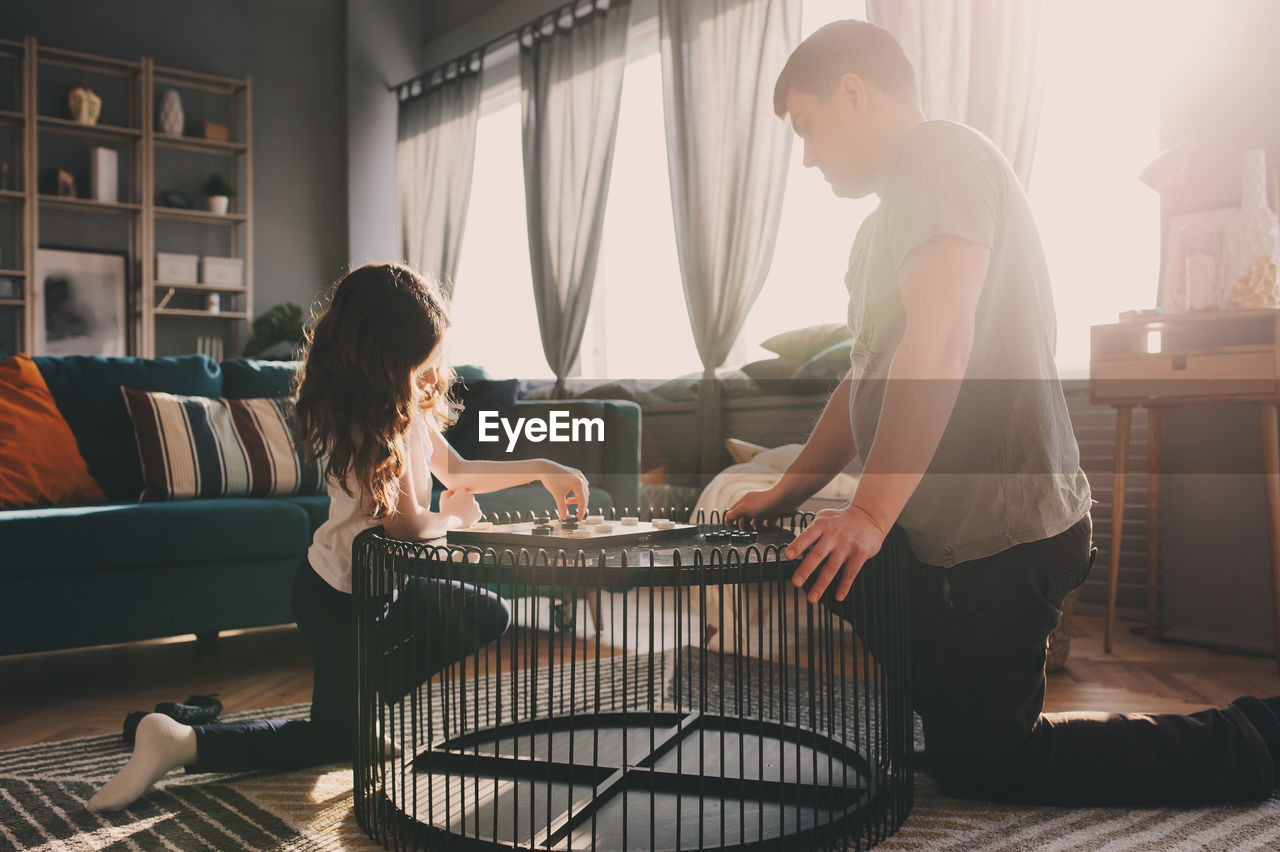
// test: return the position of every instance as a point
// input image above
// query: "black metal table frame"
(868, 801)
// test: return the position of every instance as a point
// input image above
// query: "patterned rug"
(43, 789)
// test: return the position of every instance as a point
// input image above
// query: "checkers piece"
(629, 521)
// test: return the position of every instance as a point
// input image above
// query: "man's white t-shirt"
(1007, 469)
(352, 514)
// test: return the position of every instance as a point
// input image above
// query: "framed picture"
(80, 302)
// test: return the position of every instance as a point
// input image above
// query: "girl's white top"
(330, 550)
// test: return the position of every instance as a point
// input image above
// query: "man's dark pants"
(979, 633)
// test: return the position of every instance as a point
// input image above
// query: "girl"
(372, 398)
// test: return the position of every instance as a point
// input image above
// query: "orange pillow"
(39, 461)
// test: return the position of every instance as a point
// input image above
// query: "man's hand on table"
(841, 541)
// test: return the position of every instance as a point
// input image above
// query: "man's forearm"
(828, 451)
(924, 382)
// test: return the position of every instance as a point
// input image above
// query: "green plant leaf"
(280, 323)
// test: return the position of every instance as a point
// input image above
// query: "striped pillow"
(197, 446)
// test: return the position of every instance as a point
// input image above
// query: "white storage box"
(176, 268)
(222, 271)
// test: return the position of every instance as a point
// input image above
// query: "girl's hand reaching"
(562, 481)
(462, 505)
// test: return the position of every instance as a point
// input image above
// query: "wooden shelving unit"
(133, 134)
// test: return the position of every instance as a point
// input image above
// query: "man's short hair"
(843, 47)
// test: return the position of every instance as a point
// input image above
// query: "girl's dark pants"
(449, 621)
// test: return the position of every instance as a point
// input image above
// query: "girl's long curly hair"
(354, 396)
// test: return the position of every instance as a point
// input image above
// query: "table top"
(688, 559)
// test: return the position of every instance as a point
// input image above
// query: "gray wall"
(384, 39)
(389, 41)
(294, 50)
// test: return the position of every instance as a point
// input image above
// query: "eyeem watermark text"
(559, 428)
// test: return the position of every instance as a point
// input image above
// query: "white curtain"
(571, 66)
(978, 62)
(435, 149)
(727, 156)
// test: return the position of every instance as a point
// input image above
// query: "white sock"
(162, 744)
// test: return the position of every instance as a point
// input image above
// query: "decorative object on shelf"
(176, 199)
(80, 300)
(277, 333)
(1255, 241)
(210, 346)
(85, 104)
(219, 191)
(175, 268)
(222, 271)
(1195, 263)
(104, 174)
(212, 303)
(209, 130)
(7, 289)
(66, 184)
(4, 176)
(171, 118)
(1257, 287)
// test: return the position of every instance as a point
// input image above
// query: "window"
(1100, 225)
(639, 327)
(494, 319)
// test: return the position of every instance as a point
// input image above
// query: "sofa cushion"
(470, 373)
(315, 505)
(801, 344)
(39, 461)
(194, 446)
(481, 395)
(91, 539)
(87, 391)
(247, 378)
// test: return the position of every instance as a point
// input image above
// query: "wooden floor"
(48, 697)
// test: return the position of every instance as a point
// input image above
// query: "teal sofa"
(124, 570)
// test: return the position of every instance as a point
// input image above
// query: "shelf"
(196, 145)
(93, 63)
(195, 314)
(10, 117)
(12, 303)
(202, 288)
(202, 216)
(13, 273)
(12, 195)
(91, 131)
(86, 205)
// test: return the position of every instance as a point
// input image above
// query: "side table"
(1179, 360)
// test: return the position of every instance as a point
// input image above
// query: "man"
(971, 472)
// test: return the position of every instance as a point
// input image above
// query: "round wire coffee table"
(779, 732)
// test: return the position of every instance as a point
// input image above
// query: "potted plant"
(277, 333)
(219, 191)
